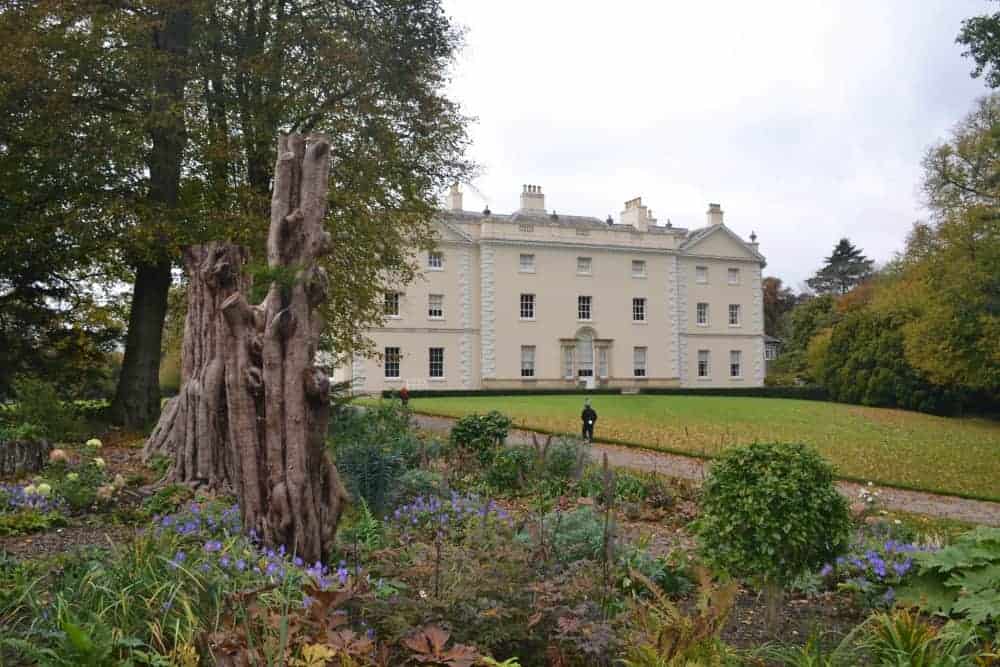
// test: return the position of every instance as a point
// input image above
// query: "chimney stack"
(532, 199)
(455, 198)
(637, 215)
(714, 214)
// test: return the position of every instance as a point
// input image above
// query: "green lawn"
(908, 449)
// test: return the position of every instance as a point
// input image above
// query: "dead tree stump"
(253, 408)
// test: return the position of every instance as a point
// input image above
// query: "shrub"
(510, 469)
(24, 431)
(771, 512)
(39, 403)
(481, 434)
(573, 536)
(962, 579)
(565, 459)
(418, 482)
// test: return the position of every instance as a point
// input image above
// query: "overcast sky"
(806, 120)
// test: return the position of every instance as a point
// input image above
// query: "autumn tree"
(169, 107)
(845, 268)
(778, 301)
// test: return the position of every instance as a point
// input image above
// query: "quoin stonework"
(538, 299)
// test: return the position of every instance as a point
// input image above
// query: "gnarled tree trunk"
(253, 409)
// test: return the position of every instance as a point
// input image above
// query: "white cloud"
(806, 119)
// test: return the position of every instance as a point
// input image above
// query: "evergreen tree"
(842, 270)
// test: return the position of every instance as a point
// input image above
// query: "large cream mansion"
(543, 300)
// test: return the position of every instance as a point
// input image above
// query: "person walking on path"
(588, 417)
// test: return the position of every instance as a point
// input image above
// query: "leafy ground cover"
(912, 450)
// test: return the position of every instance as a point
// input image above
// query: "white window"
(435, 260)
(527, 361)
(525, 228)
(436, 358)
(583, 309)
(435, 306)
(602, 361)
(568, 362)
(391, 360)
(638, 310)
(527, 306)
(527, 264)
(701, 315)
(734, 314)
(638, 268)
(734, 276)
(770, 353)
(391, 308)
(701, 274)
(704, 369)
(639, 362)
(735, 364)
(583, 266)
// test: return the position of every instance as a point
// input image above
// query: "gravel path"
(673, 465)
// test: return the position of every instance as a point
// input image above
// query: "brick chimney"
(714, 214)
(455, 198)
(637, 215)
(532, 199)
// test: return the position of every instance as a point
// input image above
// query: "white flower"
(94, 443)
(72, 476)
(871, 484)
(119, 481)
(99, 462)
(44, 490)
(423, 595)
(898, 522)
(30, 490)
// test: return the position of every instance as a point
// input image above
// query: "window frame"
(589, 266)
(770, 352)
(698, 320)
(640, 371)
(528, 361)
(389, 358)
(639, 308)
(701, 271)
(521, 268)
(641, 274)
(526, 299)
(707, 375)
(733, 270)
(433, 255)
(431, 362)
(739, 315)
(737, 365)
(580, 308)
(391, 298)
(430, 307)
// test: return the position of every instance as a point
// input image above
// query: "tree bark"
(137, 397)
(253, 409)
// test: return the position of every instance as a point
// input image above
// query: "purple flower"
(241, 565)
(902, 568)
(224, 561)
(826, 571)
(342, 575)
(213, 545)
(297, 561)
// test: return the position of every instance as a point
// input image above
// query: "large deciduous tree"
(778, 302)
(845, 268)
(150, 122)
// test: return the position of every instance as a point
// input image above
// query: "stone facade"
(534, 299)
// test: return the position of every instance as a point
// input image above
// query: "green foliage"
(166, 500)
(865, 362)
(482, 435)
(572, 536)
(844, 269)
(962, 579)
(511, 468)
(903, 638)
(771, 512)
(565, 459)
(373, 449)
(816, 652)
(418, 482)
(29, 520)
(20, 432)
(39, 403)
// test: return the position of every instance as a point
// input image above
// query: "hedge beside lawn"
(804, 393)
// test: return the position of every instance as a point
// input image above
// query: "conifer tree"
(845, 268)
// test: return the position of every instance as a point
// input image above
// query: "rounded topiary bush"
(771, 512)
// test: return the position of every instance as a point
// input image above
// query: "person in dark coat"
(404, 396)
(589, 418)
